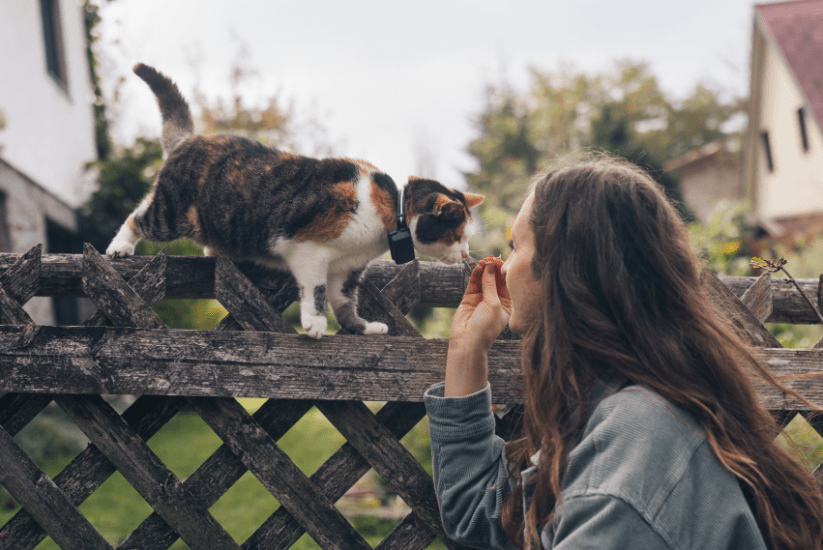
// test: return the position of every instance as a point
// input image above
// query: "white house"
(46, 102)
(782, 168)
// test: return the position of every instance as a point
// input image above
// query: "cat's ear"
(473, 199)
(446, 206)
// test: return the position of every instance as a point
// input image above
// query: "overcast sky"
(395, 82)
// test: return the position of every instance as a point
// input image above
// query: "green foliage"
(123, 179)
(720, 245)
(91, 20)
(622, 112)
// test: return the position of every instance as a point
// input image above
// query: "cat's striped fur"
(322, 219)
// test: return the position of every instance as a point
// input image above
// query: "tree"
(622, 111)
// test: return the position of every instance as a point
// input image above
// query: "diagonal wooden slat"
(758, 335)
(275, 470)
(336, 476)
(217, 474)
(22, 279)
(18, 284)
(113, 296)
(817, 474)
(758, 298)
(149, 283)
(404, 289)
(18, 409)
(280, 292)
(389, 459)
(38, 494)
(244, 301)
(91, 468)
(146, 472)
(410, 534)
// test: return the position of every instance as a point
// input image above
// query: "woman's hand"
(480, 318)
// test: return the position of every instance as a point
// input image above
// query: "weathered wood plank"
(22, 279)
(112, 295)
(441, 285)
(736, 312)
(339, 473)
(389, 459)
(218, 474)
(244, 301)
(264, 364)
(404, 289)
(103, 360)
(146, 472)
(788, 305)
(409, 534)
(374, 306)
(276, 471)
(758, 297)
(149, 283)
(17, 410)
(88, 470)
(38, 494)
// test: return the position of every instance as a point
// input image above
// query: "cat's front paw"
(120, 248)
(314, 325)
(375, 328)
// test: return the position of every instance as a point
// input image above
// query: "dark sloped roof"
(797, 28)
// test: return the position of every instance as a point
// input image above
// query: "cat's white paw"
(375, 328)
(314, 325)
(120, 248)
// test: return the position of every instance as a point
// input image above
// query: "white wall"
(796, 185)
(49, 132)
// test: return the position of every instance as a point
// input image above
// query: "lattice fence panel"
(124, 348)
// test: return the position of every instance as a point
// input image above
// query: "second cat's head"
(439, 218)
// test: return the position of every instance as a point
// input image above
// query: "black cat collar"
(400, 240)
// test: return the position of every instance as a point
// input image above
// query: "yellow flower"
(731, 248)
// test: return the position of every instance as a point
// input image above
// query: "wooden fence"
(124, 348)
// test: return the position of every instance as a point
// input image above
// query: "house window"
(801, 120)
(53, 41)
(767, 149)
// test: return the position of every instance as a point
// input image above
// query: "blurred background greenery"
(622, 111)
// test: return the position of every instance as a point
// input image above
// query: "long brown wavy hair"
(621, 293)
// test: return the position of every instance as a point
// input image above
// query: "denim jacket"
(642, 476)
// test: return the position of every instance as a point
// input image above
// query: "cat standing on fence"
(321, 219)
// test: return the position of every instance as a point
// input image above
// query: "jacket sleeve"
(601, 522)
(469, 467)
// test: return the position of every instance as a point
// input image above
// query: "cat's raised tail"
(177, 121)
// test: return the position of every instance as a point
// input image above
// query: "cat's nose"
(464, 254)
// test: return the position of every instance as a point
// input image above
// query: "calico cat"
(321, 219)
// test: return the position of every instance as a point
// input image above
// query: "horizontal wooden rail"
(441, 285)
(267, 364)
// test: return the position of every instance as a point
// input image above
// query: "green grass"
(183, 444)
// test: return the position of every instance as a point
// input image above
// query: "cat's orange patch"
(384, 203)
(132, 225)
(194, 221)
(330, 224)
(324, 228)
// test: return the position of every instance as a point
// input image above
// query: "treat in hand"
(499, 278)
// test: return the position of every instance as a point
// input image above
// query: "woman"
(641, 426)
